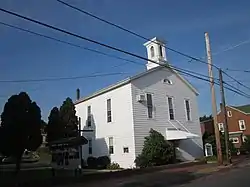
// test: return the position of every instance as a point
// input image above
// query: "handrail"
(173, 125)
(183, 126)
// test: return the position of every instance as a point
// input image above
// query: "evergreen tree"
(68, 118)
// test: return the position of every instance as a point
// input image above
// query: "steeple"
(156, 51)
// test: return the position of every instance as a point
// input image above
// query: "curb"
(102, 176)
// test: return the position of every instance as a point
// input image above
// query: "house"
(121, 115)
(238, 118)
(207, 126)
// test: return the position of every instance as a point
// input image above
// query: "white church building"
(121, 115)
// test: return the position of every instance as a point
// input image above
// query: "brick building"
(238, 118)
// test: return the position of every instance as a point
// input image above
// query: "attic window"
(167, 81)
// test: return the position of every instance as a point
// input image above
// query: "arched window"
(160, 49)
(152, 51)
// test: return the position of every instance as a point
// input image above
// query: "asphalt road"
(239, 176)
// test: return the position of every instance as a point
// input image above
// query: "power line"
(78, 46)
(245, 71)
(236, 80)
(87, 39)
(232, 47)
(60, 78)
(140, 36)
(129, 31)
(65, 42)
(228, 88)
(81, 37)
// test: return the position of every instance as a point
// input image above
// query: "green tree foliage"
(156, 151)
(205, 118)
(55, 129)
(211, 139)
(245, 148)
(20, 128)
(69, 118)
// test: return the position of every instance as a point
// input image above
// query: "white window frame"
(90, 148)
(111, 147)
(127, 148)
(221, 127)
(242, 122)
(109, 112)
(229, 113)
(186, 112)
(167, 81)
(89, 120)
(244, 138)
(152, 96)
(172, 108)
(152, 51)
(235, 138)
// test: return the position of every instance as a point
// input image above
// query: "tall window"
(111, 145)
(160, 50)
(109, 116)
(171, 108)
(79, 124)
(89, 116)
(150, 105)
(90, 146)
(188, 112)
(152, 51)
(242, 125)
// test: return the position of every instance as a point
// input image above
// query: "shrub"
(113, 166)
(156, 151)
(103, 162)
(92, 162)
(245, 147)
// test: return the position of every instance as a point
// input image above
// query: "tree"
(69, 118)
(245, 147)
(211, 139)
(205, 118)
(55, 128)
(20, 128)
(156, 151)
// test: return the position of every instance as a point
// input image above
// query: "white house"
(122, 114)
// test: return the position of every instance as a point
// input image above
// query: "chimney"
(77, 94)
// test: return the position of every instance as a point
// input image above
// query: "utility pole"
(224, 112)
(214, 108)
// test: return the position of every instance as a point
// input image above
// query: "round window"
(167, 81)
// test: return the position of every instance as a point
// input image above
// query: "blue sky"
(181, 23)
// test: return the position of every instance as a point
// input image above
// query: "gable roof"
(129, 79)
(243, 108)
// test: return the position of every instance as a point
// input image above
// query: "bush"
(156, 151)
(103, 162)
(113, 166)
(92, 162)
(245, 147)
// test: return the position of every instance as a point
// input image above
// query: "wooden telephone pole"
(214, 108)
(224, 112)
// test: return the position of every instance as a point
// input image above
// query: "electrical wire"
(84, 38)
(147, 39)
(92, 50)
(245, 71)
(60, 78)
(236, 80)
(131, 32)
(65, 42)
(140, 36)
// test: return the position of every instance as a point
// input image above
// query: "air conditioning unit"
(141, 98)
